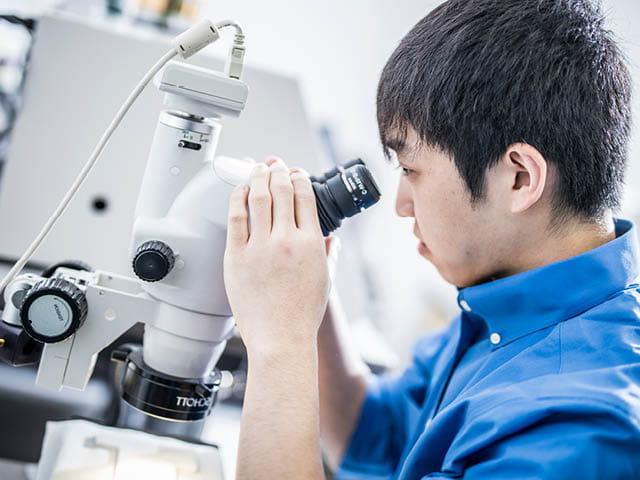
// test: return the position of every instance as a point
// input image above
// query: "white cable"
(19, 265)
(235, 62)
(230, 23)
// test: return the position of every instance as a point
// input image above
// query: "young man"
(510, 120)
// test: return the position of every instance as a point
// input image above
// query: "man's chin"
(450, 275)
(453, 277)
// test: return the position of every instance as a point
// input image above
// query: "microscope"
(67, 315)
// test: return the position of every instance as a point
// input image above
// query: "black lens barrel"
(344, 192)
(162, 395)
(336, 170)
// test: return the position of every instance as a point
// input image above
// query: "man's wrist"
(277, 334)
(285, 353)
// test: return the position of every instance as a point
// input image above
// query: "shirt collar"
(529, 301)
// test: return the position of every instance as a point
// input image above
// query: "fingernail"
(301, 171)
(278, 164)
(271, 160)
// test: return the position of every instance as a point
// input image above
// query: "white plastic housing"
(232, 170)
(201, 91)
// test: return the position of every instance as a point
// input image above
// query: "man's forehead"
(404, 143)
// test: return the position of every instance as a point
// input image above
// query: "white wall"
(623, 17)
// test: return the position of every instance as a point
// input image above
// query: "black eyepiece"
(344, 192)
(336, 170)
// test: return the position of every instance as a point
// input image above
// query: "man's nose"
(404, 202)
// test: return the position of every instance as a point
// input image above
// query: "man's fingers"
(298, 169)
(305, 202)
(271, 160)
(282, 195)
(260, 201)
(237, 225)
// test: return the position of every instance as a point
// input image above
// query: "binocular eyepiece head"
(344, 192)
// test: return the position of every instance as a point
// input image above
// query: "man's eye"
(405, 171)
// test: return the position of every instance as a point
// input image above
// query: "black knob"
(153, 261)
(53, 310)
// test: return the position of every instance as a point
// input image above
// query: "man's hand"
(275, 267)
(277, 281)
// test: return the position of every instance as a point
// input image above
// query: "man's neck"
(572, 239)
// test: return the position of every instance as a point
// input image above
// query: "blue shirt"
(538, 377)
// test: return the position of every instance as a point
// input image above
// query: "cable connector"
(196, 38)
(235, 61)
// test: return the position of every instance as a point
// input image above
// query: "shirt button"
(465, 306)
(495, 338)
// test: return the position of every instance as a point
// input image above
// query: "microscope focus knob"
(153, 261)
(53, 310)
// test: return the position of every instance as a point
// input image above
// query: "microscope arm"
(116, 303)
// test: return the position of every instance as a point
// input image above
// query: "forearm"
(342, 379)
(280, 432)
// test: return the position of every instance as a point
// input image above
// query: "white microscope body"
(180, 228)
(183, 203)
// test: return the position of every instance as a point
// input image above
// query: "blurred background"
(334, 51)
(312, 68)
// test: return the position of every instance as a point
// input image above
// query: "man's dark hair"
(476, 76)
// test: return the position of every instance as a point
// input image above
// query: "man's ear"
(525, 172)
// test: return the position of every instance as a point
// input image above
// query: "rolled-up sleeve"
(382, 430)
(388, 416)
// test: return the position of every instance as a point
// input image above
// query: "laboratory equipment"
(176, 249)
(57, 127)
